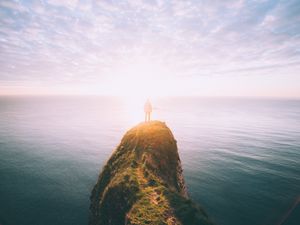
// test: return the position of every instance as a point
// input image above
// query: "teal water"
(241, 157)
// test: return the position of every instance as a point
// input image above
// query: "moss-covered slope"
(142, 182)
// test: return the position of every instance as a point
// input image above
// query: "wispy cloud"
(75, 41)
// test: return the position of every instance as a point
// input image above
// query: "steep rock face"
(142, 182)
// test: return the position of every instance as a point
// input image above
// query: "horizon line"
(156, 97)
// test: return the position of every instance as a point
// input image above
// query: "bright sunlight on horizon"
(140, 49)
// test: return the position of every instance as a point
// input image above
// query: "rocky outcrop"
(142, 183)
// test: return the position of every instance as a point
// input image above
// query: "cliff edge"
(142, 183)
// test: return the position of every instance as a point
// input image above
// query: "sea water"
(241, 157)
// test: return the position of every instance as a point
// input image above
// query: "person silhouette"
(148, 110)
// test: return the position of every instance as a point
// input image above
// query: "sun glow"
(139, 80)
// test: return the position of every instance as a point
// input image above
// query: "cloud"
(14, 6)
(63, 3)
(85, 41)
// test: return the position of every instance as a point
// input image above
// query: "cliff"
(142, 183)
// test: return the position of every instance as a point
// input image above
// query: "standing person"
(148, 110)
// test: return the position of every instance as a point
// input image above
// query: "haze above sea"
(240, 156)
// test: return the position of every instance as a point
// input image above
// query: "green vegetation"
(142, 183)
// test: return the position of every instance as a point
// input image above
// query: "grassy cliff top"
(142, 182)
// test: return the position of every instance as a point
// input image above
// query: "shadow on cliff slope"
(142, 183)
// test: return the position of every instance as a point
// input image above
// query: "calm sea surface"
(241, 157)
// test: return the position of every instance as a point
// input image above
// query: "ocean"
(240, 156)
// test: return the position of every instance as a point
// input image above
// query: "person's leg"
(145, 117)
(149, 116)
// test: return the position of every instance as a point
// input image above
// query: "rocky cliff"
(142, 183)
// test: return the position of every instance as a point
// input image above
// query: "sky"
(150, 48)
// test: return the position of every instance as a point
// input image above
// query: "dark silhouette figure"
(148, 110)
